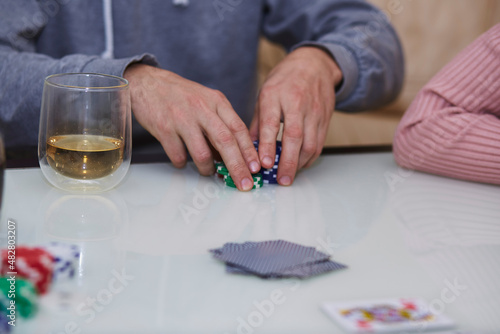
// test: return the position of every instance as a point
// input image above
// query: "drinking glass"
(84, 143)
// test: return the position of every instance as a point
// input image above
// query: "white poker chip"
(66, 259)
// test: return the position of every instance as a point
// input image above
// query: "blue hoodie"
(213, 42)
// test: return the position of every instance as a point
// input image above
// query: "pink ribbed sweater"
(452, 128)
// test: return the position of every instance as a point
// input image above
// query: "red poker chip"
(34, 264)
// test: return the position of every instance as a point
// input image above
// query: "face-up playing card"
(386, 316)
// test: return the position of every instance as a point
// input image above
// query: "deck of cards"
(386, 316)
(274, 259)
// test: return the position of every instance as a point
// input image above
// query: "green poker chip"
(229, 181)
(222, 170)
(258, 181)
(232, 185)
(22, 292)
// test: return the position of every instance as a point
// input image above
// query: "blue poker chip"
(278, 147)
(4, 324)
(270, 181)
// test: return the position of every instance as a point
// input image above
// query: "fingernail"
(285, 180)
(254, 167)
(246, 184)
(267, 161)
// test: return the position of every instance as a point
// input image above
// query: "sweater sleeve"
(355, 33)
(22, 70)
(452, 128)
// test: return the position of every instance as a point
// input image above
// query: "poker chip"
(270, 175)
(257, 181)
(222, 170)
(32, 263)
(24, 296)
(66, 259)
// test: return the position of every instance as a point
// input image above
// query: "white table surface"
(402, 234)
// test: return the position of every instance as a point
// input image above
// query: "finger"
(291, 143)
(322, 132)
(309, 144)
(199, 149)
(241, 134)
(254, 125)
(269, 126)
(226, 144)
(173, 146)
(215, 153)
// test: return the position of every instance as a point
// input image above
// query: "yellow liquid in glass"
(84, 157)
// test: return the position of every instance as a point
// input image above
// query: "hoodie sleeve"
(22, 71)
(356, 34)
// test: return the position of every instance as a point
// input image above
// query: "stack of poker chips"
(269, 175)
(265, 176)
(224, 173)
(35, 268)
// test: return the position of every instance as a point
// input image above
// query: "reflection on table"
(453, 229)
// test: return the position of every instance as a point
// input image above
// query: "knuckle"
(296, 93)
(219, 96)
(267, 91)
(177, 113)
(225, 138)
(250, 151)
(309, 148)
(165, 130)
(237, 125)
(237, 169)
(294, 131)
(178, 160)
(205, 171)
(316, 108)
(193, 100)
(202, 156)
(270, 121)
(288, 165)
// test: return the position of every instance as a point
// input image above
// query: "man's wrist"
(326, 57)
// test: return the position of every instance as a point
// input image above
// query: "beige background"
(432, 33)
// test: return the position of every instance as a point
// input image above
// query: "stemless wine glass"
(85, 142)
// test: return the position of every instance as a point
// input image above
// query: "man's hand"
(301, 91)
(177, 111)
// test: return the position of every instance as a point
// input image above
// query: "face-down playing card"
(274, 259)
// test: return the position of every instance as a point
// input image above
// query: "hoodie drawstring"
(107, 7)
